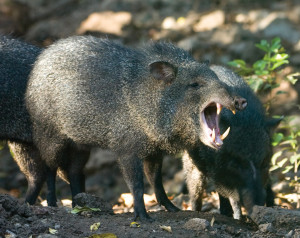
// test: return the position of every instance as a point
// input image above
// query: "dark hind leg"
(73, 170)
(152, 167)
(30, 163)
(132, 169)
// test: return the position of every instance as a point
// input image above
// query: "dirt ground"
(218, 31)
(20, 220)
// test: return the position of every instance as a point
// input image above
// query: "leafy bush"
(262, 78)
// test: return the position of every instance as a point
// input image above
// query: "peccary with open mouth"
(139, 103)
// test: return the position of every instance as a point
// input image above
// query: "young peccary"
(85, 92)
(239, 170)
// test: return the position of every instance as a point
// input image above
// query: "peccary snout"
(240, 103)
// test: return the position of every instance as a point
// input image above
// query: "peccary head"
(192, 97)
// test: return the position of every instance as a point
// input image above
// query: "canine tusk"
(219, 108)
(225, 134)
(233, 111)
(213, 135)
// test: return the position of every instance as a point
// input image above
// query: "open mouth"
(210, 118)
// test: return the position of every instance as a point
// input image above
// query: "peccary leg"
(230, 207)
(236, 207)
(74, 170)
(51, 151)
(269, 196)
(196, 182)
(51, 193)
(30, 163)
(132, 169)
(196, 189)
(152, 168)
(225, 206)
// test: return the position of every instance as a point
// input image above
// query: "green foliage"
(288, 145)
(262, 78)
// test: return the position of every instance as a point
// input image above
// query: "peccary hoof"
(143, 217)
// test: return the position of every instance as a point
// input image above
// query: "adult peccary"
(141, 104)
(16, 61)
(239, 170)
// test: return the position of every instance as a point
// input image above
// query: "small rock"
(284, 29)
(230, 230)
(295, 59)
(106, 22)
(197, 224)
(18, 225)
(88, 200)
(168, 23)
(283, 218)
(210, 21)
(56, 226)
(31, 219)
(25, 210)
(266, 227)
(10, 234)
(47, 236)
(290, 234)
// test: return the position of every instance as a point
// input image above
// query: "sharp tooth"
(233, 111)
(213, 136)
(225, 134)
(219, 108)
(219, 143)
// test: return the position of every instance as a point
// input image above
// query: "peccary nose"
(240, 103)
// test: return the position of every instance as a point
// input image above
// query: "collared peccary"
(16, 61)
(140, 103)
(239, 170)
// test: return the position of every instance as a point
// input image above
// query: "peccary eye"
(194, 85)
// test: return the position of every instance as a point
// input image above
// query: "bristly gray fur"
(85, 92)
(16, 61)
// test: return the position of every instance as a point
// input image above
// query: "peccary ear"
(272, 123)
(164, 71)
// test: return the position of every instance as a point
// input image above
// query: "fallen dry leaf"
(135, 224)
(104, 235)
(95, 226)
(166, 228)
(52, 231)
